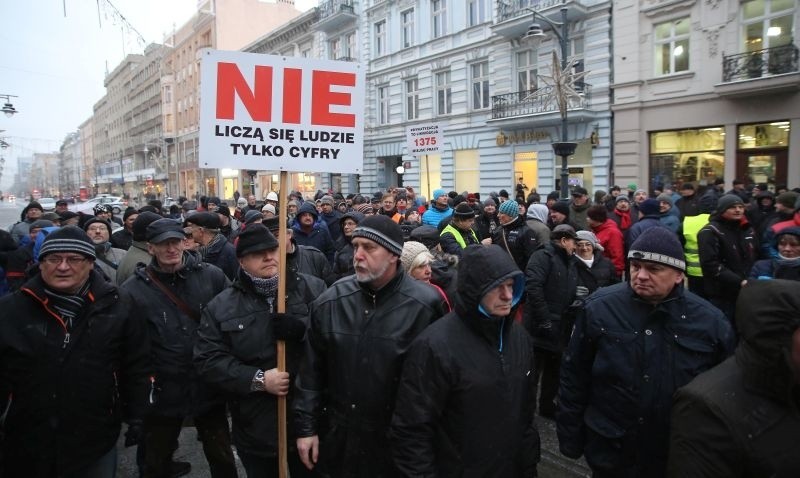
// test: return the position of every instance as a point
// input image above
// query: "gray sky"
(56, 63)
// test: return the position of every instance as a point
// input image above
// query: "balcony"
(334, 14)
(521, 106)
(759, 72)
(515, 16)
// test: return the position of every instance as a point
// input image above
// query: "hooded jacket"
(537, 221)
(740, 419)
(177, 389)
(551, 281)
(318, 236)
(728, 249)
(343, 260)
(357, 341)
(235, 340)
(518, 240)
(611, 238)
(70, 391)
(465, 401)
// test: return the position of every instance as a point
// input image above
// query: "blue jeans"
(104, 467)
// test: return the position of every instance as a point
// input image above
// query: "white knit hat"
(411, 249)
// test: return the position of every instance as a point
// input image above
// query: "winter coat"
(641, 225)
(16, 263)
(235, 340)
(135, 255)
(518, 240)
(343, 259)
(768, 245)
(357, 341)
(670, 221)
(689, 206)
(550, 285)
(537, 221)
(311, 261)
(433, 216)
(709, 199)
(601, 274)
(108, 260)
(223, 255)
(178, 391)
(122, 239)
(625, 359)
(727, 250)
(485, 225)
(317, 237)
(70, 390)
(454, 240)
(468, 382)
(610, 237)
(334, 222)
(740, 419)
(578, 215)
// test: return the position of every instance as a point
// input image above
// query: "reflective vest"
(457, 234)
(691, 226)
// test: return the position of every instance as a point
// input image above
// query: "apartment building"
(706, 90)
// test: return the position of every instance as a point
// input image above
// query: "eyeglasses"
(96, 229)
(71, 260)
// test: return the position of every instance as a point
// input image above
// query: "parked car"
(48, 204)
(117, 204)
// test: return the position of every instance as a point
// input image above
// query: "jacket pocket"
(247, 335)
(616, 359)
(692, 357)
(604, 441)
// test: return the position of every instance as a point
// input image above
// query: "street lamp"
(561, 148)
(8, 108)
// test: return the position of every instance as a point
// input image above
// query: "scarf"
(203, 250)
(588, 262)
(624, 219)
(68, 306)
(265, 287)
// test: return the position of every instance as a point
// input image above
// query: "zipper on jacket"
(500, 348)
(164, 314)
(66, 340)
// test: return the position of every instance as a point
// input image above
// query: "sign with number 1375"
(424, 139)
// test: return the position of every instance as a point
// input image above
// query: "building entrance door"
(769, 165)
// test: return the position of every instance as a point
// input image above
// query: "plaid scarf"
(203, 250)
(267, 288)
(68, 306)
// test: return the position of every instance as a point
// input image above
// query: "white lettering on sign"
(265, 112)
(424, 139)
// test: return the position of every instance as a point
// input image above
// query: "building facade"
(706, 90)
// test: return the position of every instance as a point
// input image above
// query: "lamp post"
(562, 148)
(8, 108)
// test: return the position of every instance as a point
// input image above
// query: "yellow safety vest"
(457, 234)
(691, 226)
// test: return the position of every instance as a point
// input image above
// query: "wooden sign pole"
(283, 199)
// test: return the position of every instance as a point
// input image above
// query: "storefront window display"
(694, 156)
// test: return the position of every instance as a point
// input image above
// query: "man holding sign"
(360, 330)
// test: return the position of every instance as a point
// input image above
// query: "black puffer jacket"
(69, 397)
(468, 382)
(518, 240)
(728, 249)
(310, 260)
(235, 340)
(601, 274)
(551, 281)
(356, 345)
(343, 259)
(223, 255)
(741, 419)
(178, 391)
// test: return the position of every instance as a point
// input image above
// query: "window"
(444, 101)
(412, 99)
(335, 49)
(476, 12)
(467, 170)
(527, 71)
(672, 46)
(380, 38)
(439, 13)
(407, 21)
(480, 85)
(767, 23)
(576, 45)
(350, 46)
(694, 156)
(383, 104)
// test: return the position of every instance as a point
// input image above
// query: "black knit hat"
(97, 220)
(255, 238)
(649, 207)
(659, 244)
(561, 206)
(128, 212)
(252, 215)
(224, 210)
(68, 239)
(140, 224)
(727, 201)
(463, 211)
(34, 205)
(382, 230)
(164, 229)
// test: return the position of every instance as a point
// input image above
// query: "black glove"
(134, 434)
(288, 327)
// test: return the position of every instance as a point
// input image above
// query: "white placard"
(266, 112)
(424, 139)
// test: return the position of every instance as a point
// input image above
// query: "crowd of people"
(660, 330)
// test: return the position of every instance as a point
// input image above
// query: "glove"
(134, 433)
(288, 327)
(581, 292)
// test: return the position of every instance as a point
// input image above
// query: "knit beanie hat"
(97, 220)
(509, 208)
(490, 201)
(727, 201)
(649, 207)
(34, 205)
(560, 206)
(268, 208)
(640, 191)
(140, 225)
(589, 236)
(622, 198)
(382, 230)
(503, 193)
(364, 208)
(251, 216)
(437, 193)
(664, 197)
(463, 211)
(659, 244)
(128, 211)
(68, 239)
(787, 199)
(241, 202)
(411, 250)
(327, 200)
(41, 224)
(224, 210)
(255, 238)
(632, 186)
